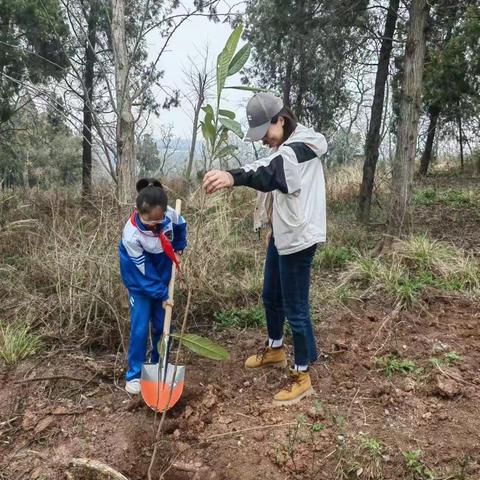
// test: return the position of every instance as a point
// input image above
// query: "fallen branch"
(261, 427)
(190, 467)
(388, 317)
(98, 467)
(54, 377)
(11, 420)
(454, 377)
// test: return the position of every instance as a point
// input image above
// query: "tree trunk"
(404, 161)
(434, 113)
(372, 142)
(460, 137)
(287, 82)
(88, 100)
(300, 86)
(198, 107)
(125, 134)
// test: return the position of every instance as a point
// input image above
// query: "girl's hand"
(167, 303)
(178, 255)
(217, 180)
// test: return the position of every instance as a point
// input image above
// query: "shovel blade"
(160, 390)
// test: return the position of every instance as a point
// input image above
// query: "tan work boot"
(299, 386)
(268, 357)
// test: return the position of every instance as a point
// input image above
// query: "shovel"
(162, 383)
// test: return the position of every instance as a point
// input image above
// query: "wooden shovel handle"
(168, 309)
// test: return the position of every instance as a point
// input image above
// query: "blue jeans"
(143, 310)
(286, 288)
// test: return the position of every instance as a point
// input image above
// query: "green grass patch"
(450, 197)
(17, 342)
(392, 363)
(372, 445)
(448, 359)
(318, 427)
(415, 465)
(332, 257)
(403, 274)
(253, 317)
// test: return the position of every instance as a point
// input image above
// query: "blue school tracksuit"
(146, 271)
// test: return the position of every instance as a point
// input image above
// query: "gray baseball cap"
(261, 108)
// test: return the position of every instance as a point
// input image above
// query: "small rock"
(177, 433)
(340, 345)
(443, 416)
(440, 347)
(447, 387)
(386, 412)
(259, 436)
(427, 415)
(340, 438)
(225, 420)
(246, 383)
(188, 411)
(60, 411)
(409, 385)
(170, 425)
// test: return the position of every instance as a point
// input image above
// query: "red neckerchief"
(166, 244)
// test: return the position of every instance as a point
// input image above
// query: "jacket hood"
(316, 141)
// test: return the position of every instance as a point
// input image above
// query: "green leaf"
(227, 113)
(250, 89)
(227, 151)
(239, 60)
(223, 137)
(208, 109)
(204, 130)
(202, 346)
(232, 125)
(224, 58)
(210, 128)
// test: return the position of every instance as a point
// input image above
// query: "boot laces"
(290, 382)
(262, 351)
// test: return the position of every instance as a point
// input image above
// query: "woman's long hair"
(290, 122)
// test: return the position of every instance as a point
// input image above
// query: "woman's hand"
(267, 238)
(217, 180)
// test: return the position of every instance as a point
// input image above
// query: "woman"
(295, 208)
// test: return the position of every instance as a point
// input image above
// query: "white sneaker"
(133, 386)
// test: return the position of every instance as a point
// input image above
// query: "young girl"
(151, 235)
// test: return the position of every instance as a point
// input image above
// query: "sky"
(190, 40)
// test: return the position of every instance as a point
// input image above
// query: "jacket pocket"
(289, 212)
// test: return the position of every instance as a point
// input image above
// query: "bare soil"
(225, 427)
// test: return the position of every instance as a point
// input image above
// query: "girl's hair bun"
(148, 182)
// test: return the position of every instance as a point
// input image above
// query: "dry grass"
(224, 261)
(343, 183)
(17, 343)
(410, 267)
(60, 271)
